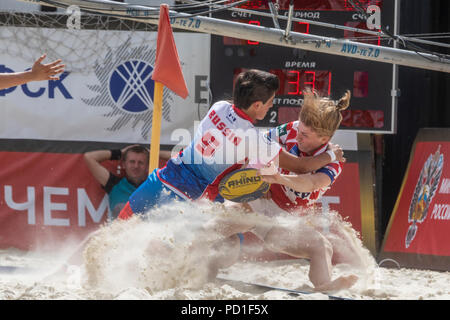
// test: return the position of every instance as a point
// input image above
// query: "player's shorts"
(151, 193)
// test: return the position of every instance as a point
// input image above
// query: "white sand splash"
(153, 255)
(139, 259)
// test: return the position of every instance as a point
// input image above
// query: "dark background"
(424, 102)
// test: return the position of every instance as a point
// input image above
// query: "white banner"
(106, 91)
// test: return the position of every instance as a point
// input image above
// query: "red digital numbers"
(254, 4)
(293, 82)
(255, 22)
(302, 27)
(229, 41)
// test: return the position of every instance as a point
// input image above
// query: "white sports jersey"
(225, 139)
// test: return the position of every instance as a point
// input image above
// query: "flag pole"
(167, 72)
(156, 126)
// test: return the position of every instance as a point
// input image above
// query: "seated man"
(135, 163)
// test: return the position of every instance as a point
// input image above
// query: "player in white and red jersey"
(318, 120)
(285, 197)
(225, 139)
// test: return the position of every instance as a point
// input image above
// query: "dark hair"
(254, 85)
(135, 149)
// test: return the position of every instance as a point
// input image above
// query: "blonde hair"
(322, 114)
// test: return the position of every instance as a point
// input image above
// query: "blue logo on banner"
(131, 86)
(124, 84)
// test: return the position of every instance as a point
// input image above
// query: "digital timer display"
(229, 41)
(293, 82)
(371, 107)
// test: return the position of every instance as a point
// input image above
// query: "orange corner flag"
(167, 64)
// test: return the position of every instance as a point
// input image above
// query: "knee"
(322, 246)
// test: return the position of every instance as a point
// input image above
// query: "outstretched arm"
(308, 164)
(300, 183)
(38, 72)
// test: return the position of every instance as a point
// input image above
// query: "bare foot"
(340, 283)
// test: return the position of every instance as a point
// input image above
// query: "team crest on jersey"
(126, 87)
(282, 130)
(424, 192)
(267, 139)
(231, 116)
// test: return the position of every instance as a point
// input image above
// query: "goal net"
(55, 34)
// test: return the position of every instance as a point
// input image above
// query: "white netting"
(49, 33)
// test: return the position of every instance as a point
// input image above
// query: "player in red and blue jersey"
(288, 136)
(225, 139)
(319, 119)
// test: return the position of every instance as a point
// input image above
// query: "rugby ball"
(243, 185)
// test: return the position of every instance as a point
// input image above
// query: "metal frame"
(268, 35)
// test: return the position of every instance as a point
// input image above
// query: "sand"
(126, 261)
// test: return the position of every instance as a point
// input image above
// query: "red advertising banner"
(47, 198)
(418, 234)
(344, 195)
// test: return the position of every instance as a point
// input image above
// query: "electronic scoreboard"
(371, 83)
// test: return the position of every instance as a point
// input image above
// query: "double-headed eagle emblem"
(424, 192)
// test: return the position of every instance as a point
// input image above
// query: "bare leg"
(303, 241)
(346, 246)
(227, 226)
(224, 254)
(345, 251)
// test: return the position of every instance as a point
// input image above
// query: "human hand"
(337, 150)
(46, 71)
(245, 163)
(269, 169)
(128, 147)
(267, 195)
(269, 173)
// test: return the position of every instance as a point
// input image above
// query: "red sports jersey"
(286, 198)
